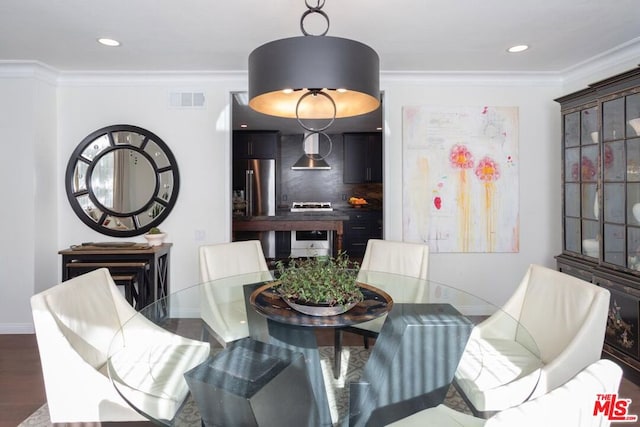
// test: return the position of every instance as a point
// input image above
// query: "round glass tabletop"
(216, 357)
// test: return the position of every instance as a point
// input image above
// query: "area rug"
(353, 361)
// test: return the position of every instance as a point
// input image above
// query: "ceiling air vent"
(181, 99)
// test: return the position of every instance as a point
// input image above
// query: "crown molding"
(28, 69)
(36, 69)
(475, 78)
(618, 59)
(155, 78)
(148, 78)
(608, 63)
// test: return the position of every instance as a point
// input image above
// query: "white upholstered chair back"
(87, 311)
(78, 323)
(559, 311)
(223, 304)
(410, 260)
(392, 257)
(231, 259)
(551, 328)
(571, 404)
(407, 259)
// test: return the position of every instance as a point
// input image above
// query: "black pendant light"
(283, 73)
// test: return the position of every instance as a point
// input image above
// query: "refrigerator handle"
(248, 184)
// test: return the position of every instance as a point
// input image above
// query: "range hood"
(310, 159)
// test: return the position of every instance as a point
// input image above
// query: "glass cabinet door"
(613, 119)
(602, 181)
(632, 169)
(633, 115)
(621, 181)
(614, 194)
(572, 182)
(582, 205)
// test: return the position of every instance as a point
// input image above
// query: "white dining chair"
(552, 327)
(223, 305)
(84, 324)
(410, 260)
(570, 404)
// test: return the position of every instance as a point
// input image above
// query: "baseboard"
(16, 328)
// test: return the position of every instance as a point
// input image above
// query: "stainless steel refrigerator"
(256, 180)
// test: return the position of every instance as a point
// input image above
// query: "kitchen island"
(295, 221)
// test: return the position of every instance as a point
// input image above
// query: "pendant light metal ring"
(316, 92)
(310, 11)
(319, 4)
(319, 156)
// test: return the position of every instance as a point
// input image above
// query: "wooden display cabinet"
(601, 202)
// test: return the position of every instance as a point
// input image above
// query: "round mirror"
(122, 180)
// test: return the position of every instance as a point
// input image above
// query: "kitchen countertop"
(300, 221)
(298, 216)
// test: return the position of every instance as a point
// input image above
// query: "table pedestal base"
(412, 363)
(249, 383)
(297, 338)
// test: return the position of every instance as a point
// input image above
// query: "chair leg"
(365, 339)
(143, 295)
(128, 294)
(135, 298)
(128, 282)
(337, 352)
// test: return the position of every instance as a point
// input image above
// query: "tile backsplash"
(319, 185)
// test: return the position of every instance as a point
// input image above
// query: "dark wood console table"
(150, 263)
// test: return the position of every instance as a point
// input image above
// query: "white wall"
(198, 138)
(34, 126)
(28, 193)
(202, 152)
(493, 276)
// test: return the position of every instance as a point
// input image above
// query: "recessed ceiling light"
(518, 48)
(243, 125)
(108, 42)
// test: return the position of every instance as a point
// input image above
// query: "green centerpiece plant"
(321, 281)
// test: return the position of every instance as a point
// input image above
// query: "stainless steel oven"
(311, 243)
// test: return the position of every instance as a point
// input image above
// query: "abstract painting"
(460, 178)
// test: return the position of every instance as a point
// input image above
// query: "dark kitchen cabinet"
(283, 244)
(255, 145)
(601, 202)
(362, 158)
(363, 225)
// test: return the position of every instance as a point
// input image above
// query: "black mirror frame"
(106, 212)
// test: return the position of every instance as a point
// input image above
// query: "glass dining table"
(280, 368)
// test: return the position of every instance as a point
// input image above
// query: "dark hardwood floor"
(22, 388)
